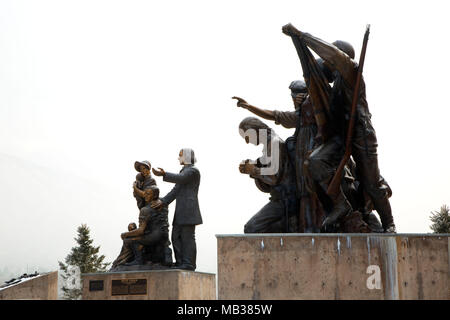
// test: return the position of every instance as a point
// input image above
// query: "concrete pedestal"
(149, 285)
(334, 266)
(41, 287)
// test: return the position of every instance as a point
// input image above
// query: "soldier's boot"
(138, 259)
(391, 229)
(341, 207)
(383, 207)
(388, 221)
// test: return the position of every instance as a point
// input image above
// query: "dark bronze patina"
(187, 211)
(281, 213)
(327, 155)
(334, 138)
(309, 212)
(145, 246)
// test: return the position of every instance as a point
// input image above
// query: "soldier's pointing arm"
(263, 113)
(287, 119)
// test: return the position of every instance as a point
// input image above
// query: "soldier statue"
(338, 60)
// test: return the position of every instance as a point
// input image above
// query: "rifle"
(335, 183)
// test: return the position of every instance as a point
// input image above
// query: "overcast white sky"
(89, 87)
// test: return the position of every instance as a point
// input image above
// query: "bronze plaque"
(128, 287)
(95, 285)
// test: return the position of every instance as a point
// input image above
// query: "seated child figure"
(132, 226)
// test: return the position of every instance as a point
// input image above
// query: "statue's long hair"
(252, 123)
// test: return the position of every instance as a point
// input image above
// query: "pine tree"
(441, 220)
(85, 259)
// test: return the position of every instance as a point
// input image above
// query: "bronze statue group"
(322, 179)
(147, 246)
(328, 178)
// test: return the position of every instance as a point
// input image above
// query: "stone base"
(141, 267)
(334, 266)
(149, 285)
(41, 287)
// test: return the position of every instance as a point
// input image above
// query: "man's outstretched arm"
(171, 195)
(168, 199)
(182, 178)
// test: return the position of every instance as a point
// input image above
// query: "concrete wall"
(43, 287)
(333, 266)
(161, 285)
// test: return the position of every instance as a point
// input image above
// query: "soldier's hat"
(345, 47)
(146, 163)
(298, 86)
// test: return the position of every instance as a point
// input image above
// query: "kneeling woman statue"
(148, 244)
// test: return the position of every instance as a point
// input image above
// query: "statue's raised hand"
(241, 102)
(300, 98)
(290, 30)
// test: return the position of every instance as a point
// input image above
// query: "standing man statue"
(187, 211)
